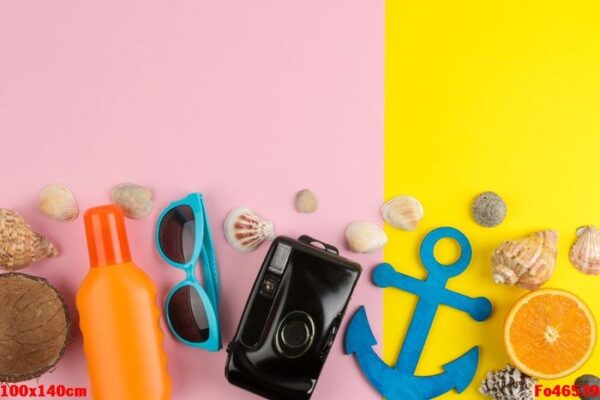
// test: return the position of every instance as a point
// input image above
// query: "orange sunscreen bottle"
(119, 317)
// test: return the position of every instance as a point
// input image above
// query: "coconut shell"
(34, 327)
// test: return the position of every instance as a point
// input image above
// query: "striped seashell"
(245, 231)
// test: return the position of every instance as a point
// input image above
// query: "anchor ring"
(432, 265)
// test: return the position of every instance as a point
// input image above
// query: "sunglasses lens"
(176, 234)
(187, 315)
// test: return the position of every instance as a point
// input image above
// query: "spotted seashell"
(585, 252)
(306, 201)
(489, 209)
(19, 244)
(58, 202)
(587, 384)
(245, 231)
(508, 384)
(135, 200)
(365, 237)
(528, 262)
(404, 212)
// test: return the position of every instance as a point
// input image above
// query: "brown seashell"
(528, 262)
(19, 244)
(306, 202)
(585, 252)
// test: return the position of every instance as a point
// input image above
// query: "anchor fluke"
(462, 370)
(362, 336)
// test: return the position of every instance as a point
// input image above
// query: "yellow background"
(501, 96)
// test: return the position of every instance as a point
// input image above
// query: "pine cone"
(508, 384)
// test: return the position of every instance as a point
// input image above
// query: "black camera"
(291, 319)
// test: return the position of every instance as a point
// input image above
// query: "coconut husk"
(34, 327)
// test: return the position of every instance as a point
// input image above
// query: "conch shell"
(19, 244)
(528, 262)
(585, 252)
(135, 200)
(245, 231)
(58, 202)
(404, 212)
(365, 237)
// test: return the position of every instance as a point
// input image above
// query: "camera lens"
(295, 334)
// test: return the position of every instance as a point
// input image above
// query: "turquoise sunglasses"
(183, 239)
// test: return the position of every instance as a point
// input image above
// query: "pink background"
(247, 102)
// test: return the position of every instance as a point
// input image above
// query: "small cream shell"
(306, 202)
(245, 230)
(135, 200)
(404, 212)
(58, 202)
(585, 252)
(365, 236)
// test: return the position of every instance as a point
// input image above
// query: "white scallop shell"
(306, 201)
(585, 252)
(365, 237)
(135, 200)
(245, 231)
(403, 212)
(58, 202)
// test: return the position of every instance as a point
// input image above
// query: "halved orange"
(549, 333)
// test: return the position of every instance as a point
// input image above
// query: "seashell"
(528, 262)
(403, 212)
(489, 209)
(306, 201)
(19, 244)
(586, 383)
(507, 384)
(135, 200)
(245, 231)
(365, 237)
(585, 252)
(58, 202)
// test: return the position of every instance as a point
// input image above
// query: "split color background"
(251, 102)
(500, 96)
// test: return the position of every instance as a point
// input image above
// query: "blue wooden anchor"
(400, 382)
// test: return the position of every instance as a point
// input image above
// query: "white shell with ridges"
(365, 237)
(58, 202)
(404, 212)
(245, 231)
(585, 252)
(135, 200)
